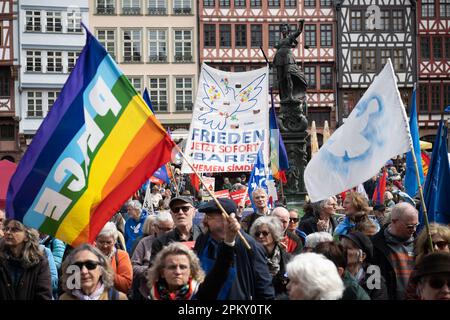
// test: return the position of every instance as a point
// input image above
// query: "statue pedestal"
(293, 125)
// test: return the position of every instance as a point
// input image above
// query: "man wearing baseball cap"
(182, 210)
(249, 277)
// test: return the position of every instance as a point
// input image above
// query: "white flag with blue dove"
(376, 130)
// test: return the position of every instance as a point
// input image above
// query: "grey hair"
(402, 209)
(175, 248)
(163, 215)
(317, 276)
(109, 230)
(149, 222)
(107, 273)
(274, 225)
(319, 205)
(313, 239)
(135, 204)
(259, 190)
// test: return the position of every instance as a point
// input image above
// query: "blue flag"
(162, 174)
(411, 185)
(437, 184)
(258, 177)
(147, 100)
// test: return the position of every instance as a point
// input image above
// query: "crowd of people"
(344, 247)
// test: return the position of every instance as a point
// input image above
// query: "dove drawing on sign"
(350, 141)
(222, 100)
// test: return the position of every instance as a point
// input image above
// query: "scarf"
(160, 291)
(93, 296)
(274, 261)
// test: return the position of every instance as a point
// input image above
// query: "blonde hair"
(175, 248)
(422, 246)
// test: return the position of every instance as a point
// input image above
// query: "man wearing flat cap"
(433, 277)
(182, 210)
(249, 277)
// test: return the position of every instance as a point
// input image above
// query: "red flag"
(378, 193)
(195, 181)
(425, 162)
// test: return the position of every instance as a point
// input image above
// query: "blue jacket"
(133, 229)
(253, 280)
(53, 270)
(57, 247)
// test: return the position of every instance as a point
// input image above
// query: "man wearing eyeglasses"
(394, 249)
(182, 210)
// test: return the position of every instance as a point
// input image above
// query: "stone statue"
(291, 80)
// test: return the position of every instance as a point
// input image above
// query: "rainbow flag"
(98, 144)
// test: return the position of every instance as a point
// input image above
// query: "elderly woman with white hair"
(313, 277)
(268, 231)
(119, 259)
(134, 223)
(313, 239)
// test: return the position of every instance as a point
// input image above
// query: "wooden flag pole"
(224, 213)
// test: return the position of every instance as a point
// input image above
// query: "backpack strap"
(113, 294)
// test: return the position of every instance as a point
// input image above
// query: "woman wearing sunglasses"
(88, 275)
(433, 277)
(440, 236)
(24, 268)
(268, 231)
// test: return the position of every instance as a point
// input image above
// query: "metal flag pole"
(224, 213)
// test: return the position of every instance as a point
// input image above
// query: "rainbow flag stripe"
(98, 144)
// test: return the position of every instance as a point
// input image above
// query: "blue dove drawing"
(222, 102)
(350, 141)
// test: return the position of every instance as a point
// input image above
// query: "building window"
(51, 98)
(209, 3)
(447, 47)
(34, 61)
(326, 82)
(437, 48)
(370, 60)
(239, 69)
(54, 61)
(54, 22)
(326, 3)
(74, 21)
(385, 55)
(399, 60)
(398, 20)
(108, 39)
(183, 94)
(224, 3)
(435, 97)
(446, 94)
(273, 3)
(183, 45)
(310, 75)
(326, 35)
(136, 82)
(5, 80)
(290, 3)
(157, 45)
(34, 104)
(310, 3)
(425, 48)
(225, 35)
(384, 20)
(158, 93)
(131, 7)
(357, 65)
(356, 22)
(255, 3)
(33, 20)
(209, 35)
(310, 36)
(428, 8)
(182, 7)
(131, 45)
(106, 7)
(256, 35)
(423, 97)
(239, 3)
(444, 8)
(157, 7)
(274, 34)
(72, 57)
(241, 35)
(7, 132)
